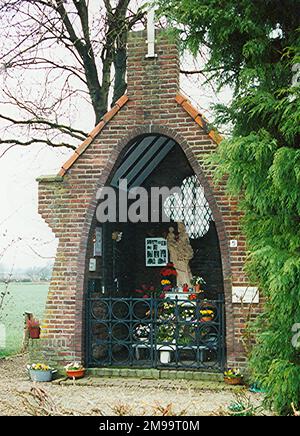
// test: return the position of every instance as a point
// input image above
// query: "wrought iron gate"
(155, 333)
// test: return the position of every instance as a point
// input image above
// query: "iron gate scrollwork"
(155, 333)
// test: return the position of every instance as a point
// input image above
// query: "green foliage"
(242, 406)
(253, 46)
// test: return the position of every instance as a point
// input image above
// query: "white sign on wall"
(245, 294)
(93, 265)
(98, 242)
(156, 252)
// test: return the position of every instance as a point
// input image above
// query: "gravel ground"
(109, 397)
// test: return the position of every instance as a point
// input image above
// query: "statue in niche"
(181, 253)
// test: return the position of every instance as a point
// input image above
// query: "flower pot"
(165, 357)
(206, 319)
(77, 373)
(34, 332)
(41, 376)
(234, 381)
(197, 289)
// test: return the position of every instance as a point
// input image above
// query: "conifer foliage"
(254, 46)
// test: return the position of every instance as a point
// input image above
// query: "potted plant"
(207, 315)
(75, 370)
(233, 376)
(197, 282)
(34, 328)
(39, 372)
(142, 332)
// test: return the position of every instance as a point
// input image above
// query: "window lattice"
(190, 207)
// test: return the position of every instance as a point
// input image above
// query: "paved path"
(113, 396)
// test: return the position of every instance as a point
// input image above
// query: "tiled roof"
(198, 118)
(92, 135)
(181, 100)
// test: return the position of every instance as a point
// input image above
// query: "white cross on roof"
(151, 33)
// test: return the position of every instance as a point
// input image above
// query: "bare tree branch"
(34, 141)
(55, 56)
(78, 134)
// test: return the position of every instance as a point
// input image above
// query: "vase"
(197, 289)
(165, 357)
(34, 332)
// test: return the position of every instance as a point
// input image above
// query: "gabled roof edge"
(198, 118)
(92, 135)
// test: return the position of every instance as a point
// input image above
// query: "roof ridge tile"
(198, 118)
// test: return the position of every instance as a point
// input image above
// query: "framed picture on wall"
(156, 252)
(98, 242)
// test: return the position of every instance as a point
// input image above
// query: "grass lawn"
(22, 297)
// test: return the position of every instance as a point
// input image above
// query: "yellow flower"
(40, 367)
(206, 312)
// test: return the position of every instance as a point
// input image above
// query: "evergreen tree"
(254, 46)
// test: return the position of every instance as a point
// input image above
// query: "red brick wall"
(68, 204)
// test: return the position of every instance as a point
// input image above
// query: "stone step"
(155, 374)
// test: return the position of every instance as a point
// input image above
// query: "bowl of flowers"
(207, 315)
(233, 376)
(197, 282)
(39, 372)
(142, 332)
(75, 370)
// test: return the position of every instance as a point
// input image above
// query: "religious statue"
(181, 253)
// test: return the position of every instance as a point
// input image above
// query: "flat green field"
(22, 297)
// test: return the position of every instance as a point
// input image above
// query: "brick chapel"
(126, 294)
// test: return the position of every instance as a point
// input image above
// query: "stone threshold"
(155, 374)
(146, 383)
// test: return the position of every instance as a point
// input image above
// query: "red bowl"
(76, 373)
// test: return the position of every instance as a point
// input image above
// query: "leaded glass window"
(190, 207)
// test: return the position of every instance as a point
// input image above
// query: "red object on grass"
(34, 332)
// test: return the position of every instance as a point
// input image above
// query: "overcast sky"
(25, 239)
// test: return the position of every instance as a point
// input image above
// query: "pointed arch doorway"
(139, 313)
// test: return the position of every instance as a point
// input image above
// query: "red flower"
(193, 297)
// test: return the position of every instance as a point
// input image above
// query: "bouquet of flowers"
(39, 367)
(232, 373)
(165, 333)
(167, 311)
(142, 332)
(169, 271)
(166, 285)
(196, 280)
(207, 313)
(149, 291)
(74, 366)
